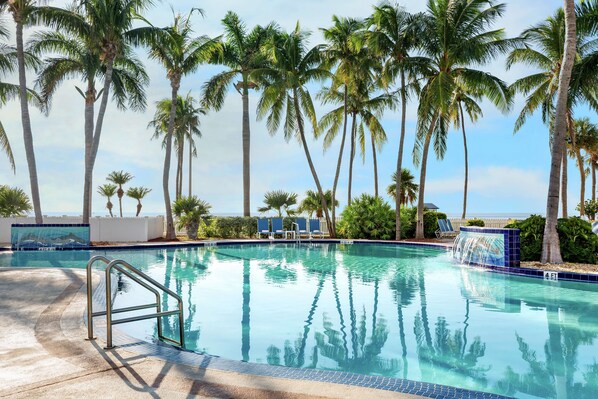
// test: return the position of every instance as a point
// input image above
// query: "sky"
(508, 172)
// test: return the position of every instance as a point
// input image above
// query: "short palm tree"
(73, 56)
(108, 190)
(458, 36)
(13, 202)
(280, 201)
(586, 134)
(138, 193)
(311, 203)
(119, 178)
(180, 54)
(242, 53)
(286, 96)
(394, 37)
(408, 190)
(189, 212)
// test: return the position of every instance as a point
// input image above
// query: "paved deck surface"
(44, 354)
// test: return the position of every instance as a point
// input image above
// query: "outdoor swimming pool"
(398, 311)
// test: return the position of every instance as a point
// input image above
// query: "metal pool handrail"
(143, 280)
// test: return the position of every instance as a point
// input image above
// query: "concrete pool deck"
(44, 354)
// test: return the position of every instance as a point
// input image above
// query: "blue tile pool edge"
(186, 357)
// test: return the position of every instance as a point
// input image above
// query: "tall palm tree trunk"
(593, 168)
(466, 162)
(120, 193)
(180, 168)
(338, 164)
(351, 158)
(26, 121)
(190, 165)
(170, 232)
(88, 175)
(309, 160)
(95, 144)
(564, 183)
(400, 158)
(551, 251)
(582, 175)
(246, 152)
(419, 228)
(375, 166)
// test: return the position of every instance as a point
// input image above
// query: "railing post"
(108, 308)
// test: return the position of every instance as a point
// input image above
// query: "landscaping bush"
(409, 222)
(578, 243)
(431, 223)
(476, 223)
(229, 227)
(368, 217)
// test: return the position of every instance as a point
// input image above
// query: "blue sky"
(508, 173)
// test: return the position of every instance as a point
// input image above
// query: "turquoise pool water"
(386, 310)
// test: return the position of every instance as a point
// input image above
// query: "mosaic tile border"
(186, 357)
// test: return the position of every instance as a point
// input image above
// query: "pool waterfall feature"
(487, 247)
(49, 236)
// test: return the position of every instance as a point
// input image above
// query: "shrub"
(230, 227)
(408, 216)
(476, 223)
(578, 243)
(591, 208)
(431, 223)
(189, 212)
(13, 202)
(368, 217)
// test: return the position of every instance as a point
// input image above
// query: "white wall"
(131, 229)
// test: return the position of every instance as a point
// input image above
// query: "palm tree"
(279, 200)
(311, 203)
(119, 178)
(540, 88)
(180, 54)
(551, 249)
(294, 66)
(408, 190)
(343, 49)
(186, 127)
(394, 36)
(458, 37)
(587, 139)
(21, 11)
(190, 211)
(13, 202)
(7, 62)
(73, 56)
(138, 193)
(242, 52)
(108, 191)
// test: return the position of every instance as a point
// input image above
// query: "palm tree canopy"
(138, 193)
(107, 190)
(408, 189)
(119, 177)
(13, 202)
(279, 200)
(190, 210)
(313, 204)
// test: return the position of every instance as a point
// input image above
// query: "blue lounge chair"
(301, 227)
(445, 229)
(263, 227)
(315, 229)
(277, 227)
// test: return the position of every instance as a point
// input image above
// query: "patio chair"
(263, 227)
(315, 228)
(595, 227)
(277, 227)
(445, 229)
(301, 227)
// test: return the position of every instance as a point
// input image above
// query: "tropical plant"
(586, 139)
(230, 227)
(186, 127)
(119, 178)
(138, 193)
(242, 52)
(476, 223)
(108, 190)
(13, 202)
(279, 201)
(180, 54)
(591, 207)
(394, 36)
(189, 212)
(21, 11)
(77, 53)
(369, 218)
(286, 94)
(408, 190)
(311, 203)
(343, 49)
(458, 36)
(7, 63)
(546, 56)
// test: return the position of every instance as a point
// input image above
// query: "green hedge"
(578, 243)
(476, 223)
(229, 227)
(369, 218)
